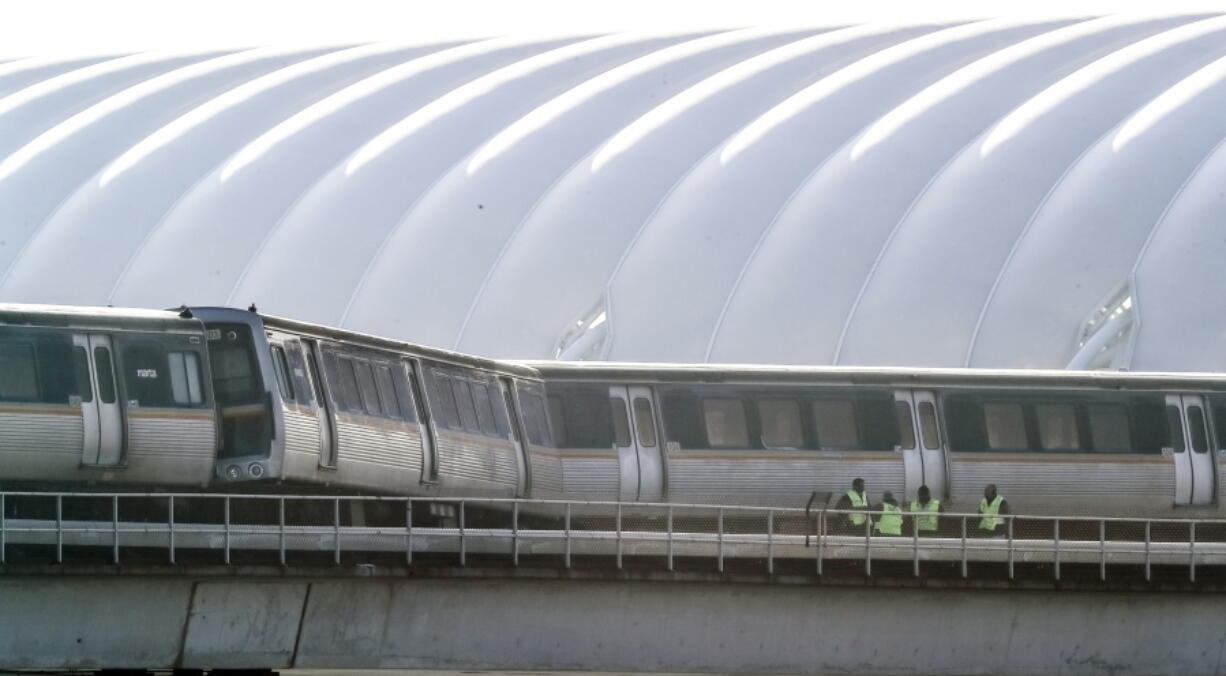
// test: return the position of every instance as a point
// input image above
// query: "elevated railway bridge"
(191, 581)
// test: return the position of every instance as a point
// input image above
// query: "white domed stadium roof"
(999, 193)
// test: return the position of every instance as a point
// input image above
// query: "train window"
(366, 387)
(725, 423)
(1196, 426)
(185, 378)
(404, 394)
(878, 426)
(106, 375)
(1006, 426)
(80, 363)
(621, 424)
(1219, 424)
(964, 424)
(556, 419)
(644, 422)
(929, 430)
(1057, 427)
(485, 409)
(464, 402)
(297, 370)
(282, 371)
(683, 422)
(906, 427)
(535, 424)
(1109, 428)
(20, 375)
(446, 395)
(1175, 427)
(387, 390)
(145, 374)
(1149, 427)
(781, 426)
(588, 418)
(236, 378)
(836, 424)
(347, 386)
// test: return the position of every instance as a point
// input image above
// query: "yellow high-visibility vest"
(990, 520)
(926, 518)
(890, 523)
(857, 500)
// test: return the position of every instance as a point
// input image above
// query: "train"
(233, 400)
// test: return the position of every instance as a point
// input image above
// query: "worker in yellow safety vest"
(925, 512)
(890, 521)
(854, 499)
(992, 506)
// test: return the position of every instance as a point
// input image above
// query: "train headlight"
(256, 470)
(234, 472)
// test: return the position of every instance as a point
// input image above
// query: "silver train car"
(233, 400)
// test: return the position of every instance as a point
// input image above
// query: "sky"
(68, 27)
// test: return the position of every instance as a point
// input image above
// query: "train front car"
(102, 396)
(251, 448)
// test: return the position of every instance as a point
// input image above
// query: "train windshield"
(246, 417)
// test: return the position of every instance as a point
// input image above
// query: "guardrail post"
(515, 533)
(59, 529)
(227, 528)
(171, 520)
(821, 539)
(1102, 547)
(281, 529)
(567, 534)
(719, 539)
(408, 534)
(463, 543)
(1147, 540)
(1056, 539)
(670, 537)
(619, 536)
(964, 546)
(115, 528)
(915, 545)
(336, 531)
(1009, 524)
(868, 545)
(770, 542)
(1192, 551)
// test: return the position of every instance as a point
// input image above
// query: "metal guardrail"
(563, 530)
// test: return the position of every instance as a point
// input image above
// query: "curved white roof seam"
(627, 174)
(418, 151)
(885, 304)
(485, 201)
(871, 194)
(721, 209)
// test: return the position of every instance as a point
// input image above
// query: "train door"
(635, 435)
(323, 406)
(517, 434)
(908, 443)
(920, 442)
(429, 457)
(103, 419)
(1189, 439)
(932, 448)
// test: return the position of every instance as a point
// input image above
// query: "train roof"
(753, 374)
(366, 340)
(93, 317)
